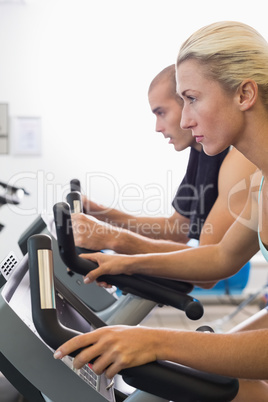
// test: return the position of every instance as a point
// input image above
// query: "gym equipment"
(6, 267)
(161, 379)
(129, 309)
(74, 199)
(132, 308)
(95, 297)
(75, 185)
(8, 195)
(28, 364)
(11, 195)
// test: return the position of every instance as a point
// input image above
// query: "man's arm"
(174, 228)
(96, 235)
(132, 235)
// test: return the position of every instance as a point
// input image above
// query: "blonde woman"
(222, 77)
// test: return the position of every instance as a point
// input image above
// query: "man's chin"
(180, 148)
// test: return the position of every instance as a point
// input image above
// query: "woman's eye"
(191, 99)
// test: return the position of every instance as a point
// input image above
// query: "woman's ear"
(247, 94)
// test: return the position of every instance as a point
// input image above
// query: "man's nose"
(159, 127)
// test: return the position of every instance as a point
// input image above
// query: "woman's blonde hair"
(231, 51)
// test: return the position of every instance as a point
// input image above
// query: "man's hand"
(91, 233)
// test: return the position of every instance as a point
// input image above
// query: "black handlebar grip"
(43, 294)
(65, 240)
(179, 383)
(75, 185)
(13, 189)
(183, 287)
(8, 199)
(205, 328)
(74, 199)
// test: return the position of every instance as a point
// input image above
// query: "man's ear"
(247, 94)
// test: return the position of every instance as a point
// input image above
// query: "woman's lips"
(198, 138)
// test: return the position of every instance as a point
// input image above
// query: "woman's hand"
(113, 348)
(108, 264)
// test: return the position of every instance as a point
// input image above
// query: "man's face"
(167, 110)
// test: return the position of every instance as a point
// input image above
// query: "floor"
(221, 313)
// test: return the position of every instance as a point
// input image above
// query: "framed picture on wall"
(26, 136)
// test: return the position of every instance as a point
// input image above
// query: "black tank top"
(198, 190)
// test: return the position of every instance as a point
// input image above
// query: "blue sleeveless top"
(262, 247)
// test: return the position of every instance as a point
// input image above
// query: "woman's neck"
(253, 143)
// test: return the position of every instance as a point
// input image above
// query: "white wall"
(84, 66)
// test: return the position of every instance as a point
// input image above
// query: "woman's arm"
(242, 355)
(128, 234)
(202, 264)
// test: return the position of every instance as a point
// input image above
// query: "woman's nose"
(186, 120)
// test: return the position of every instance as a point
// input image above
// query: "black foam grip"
(12, 189)
(71, 198)
(180, 383)
(9, 199)
(74, 196)
(75, 185)
(45, 320)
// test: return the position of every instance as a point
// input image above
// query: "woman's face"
(209, 111)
